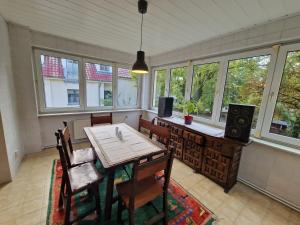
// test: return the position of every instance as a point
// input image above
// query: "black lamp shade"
(140, 66)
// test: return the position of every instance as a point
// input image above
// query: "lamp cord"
(142, 32)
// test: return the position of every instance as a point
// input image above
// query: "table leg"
(109, 194)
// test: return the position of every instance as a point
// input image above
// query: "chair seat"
(81, 156)
(83, 175)
(147, 190)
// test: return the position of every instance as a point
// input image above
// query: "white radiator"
(78, 126)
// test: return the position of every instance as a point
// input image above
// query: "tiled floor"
(24, 201)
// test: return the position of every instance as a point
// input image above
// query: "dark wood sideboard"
(206, 150)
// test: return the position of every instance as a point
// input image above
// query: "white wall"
(13, 150)
(42, 128)
(50, 124)
(287, 29)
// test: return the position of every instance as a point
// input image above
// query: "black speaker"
(239, 120)
(165, 106)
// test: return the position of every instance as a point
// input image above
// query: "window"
(127, 88)
(177, 86)
(286, 116)
(159, 85)
(98, 79)
(73, 96)
(60, 81)
(67, 83)
(245, 83)
(203, 88)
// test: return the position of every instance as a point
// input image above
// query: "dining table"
(116, 145)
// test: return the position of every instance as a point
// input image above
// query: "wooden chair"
(145, 125)
(101, 119)
(144, 187)
(162, 134)
(74, 157)
(84, 177)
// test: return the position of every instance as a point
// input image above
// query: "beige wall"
(12, 149)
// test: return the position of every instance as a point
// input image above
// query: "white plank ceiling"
(168, 25)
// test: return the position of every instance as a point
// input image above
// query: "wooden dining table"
(114, 152)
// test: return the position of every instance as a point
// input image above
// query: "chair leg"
(68, 210)
(131, 216)
(165, 207)
(62, 192)
(120, 208)
(97, 200)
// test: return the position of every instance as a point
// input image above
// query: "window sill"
(281, 147)
(86, 112)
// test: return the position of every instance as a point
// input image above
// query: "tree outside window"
(203, 88)
(177, 87)
(245, 83)
(286, 117)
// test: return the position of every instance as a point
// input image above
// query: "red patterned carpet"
(184, 209)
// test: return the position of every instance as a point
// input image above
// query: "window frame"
(273, 95)
(95, 61)
(40, 84)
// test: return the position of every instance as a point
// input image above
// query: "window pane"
(98, 85)
(177, 86)
(159, 85)
(245, 83)
(127, 88)
(203, 88)
(286, 118)
(61, 81)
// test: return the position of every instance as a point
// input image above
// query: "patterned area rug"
(183, 208)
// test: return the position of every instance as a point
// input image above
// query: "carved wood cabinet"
(217, 158)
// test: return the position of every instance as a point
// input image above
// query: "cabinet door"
(215, 165)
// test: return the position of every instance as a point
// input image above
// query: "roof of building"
(53, 67)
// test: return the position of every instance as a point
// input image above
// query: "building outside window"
(73, 96)
(127, 88)
(58, 76)
(98, 80)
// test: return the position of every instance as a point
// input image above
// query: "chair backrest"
(149, 166)
(63, 161)
(145, 124)
(162, 134)
(66, 142)
(101, 119)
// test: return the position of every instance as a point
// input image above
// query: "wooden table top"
(113, 151)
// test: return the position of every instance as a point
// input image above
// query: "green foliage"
(188, 107)
(203, 88)
(288, 102)
(177, 86)
(160, 76)
(245, 82)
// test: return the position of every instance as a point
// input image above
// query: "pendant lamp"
(140, 67)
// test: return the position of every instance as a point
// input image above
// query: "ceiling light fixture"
(140, 67)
